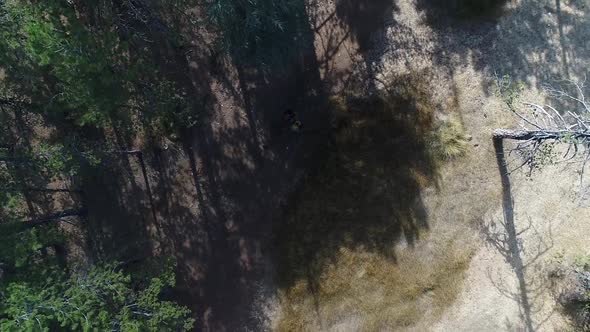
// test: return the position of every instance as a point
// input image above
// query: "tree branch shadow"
(504, 237)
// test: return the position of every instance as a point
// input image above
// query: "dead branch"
(545, 124)
(54, 217)
(539, 135)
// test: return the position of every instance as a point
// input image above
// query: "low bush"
(574, 293)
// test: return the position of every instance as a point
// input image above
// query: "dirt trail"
(216, 191)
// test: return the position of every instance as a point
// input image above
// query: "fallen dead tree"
(542, 125)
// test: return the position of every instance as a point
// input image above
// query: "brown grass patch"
(383, 294)
(338, 262)
(449, 140)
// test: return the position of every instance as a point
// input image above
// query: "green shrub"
(449, 141)
(68, 68)
(100, 299)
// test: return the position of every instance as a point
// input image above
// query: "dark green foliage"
(84, 65)
(100, 299)
(79, 62)
(10, 204)
(38, 293)
(70, 68)
(20, 244)
(167, 107)
(261, 32)
(69, 65)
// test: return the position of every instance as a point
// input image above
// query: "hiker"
(296, 126)
(291, 119)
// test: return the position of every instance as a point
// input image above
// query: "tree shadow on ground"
(366, 195)
(507, 240)
(365, 19)
(116, 225)
(455, 12)
(347, 34)
(242, 165)
(366, 23)
(218, 189)
(534, 42)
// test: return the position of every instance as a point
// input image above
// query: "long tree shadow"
(242, 170)
(118, 211)
(509, 243)
(513, 250)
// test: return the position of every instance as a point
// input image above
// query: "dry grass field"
(400, 230)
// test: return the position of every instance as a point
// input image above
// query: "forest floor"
(383, 235)
(456, 271)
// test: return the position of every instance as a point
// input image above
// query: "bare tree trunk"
(528, 135)
(54, 217)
